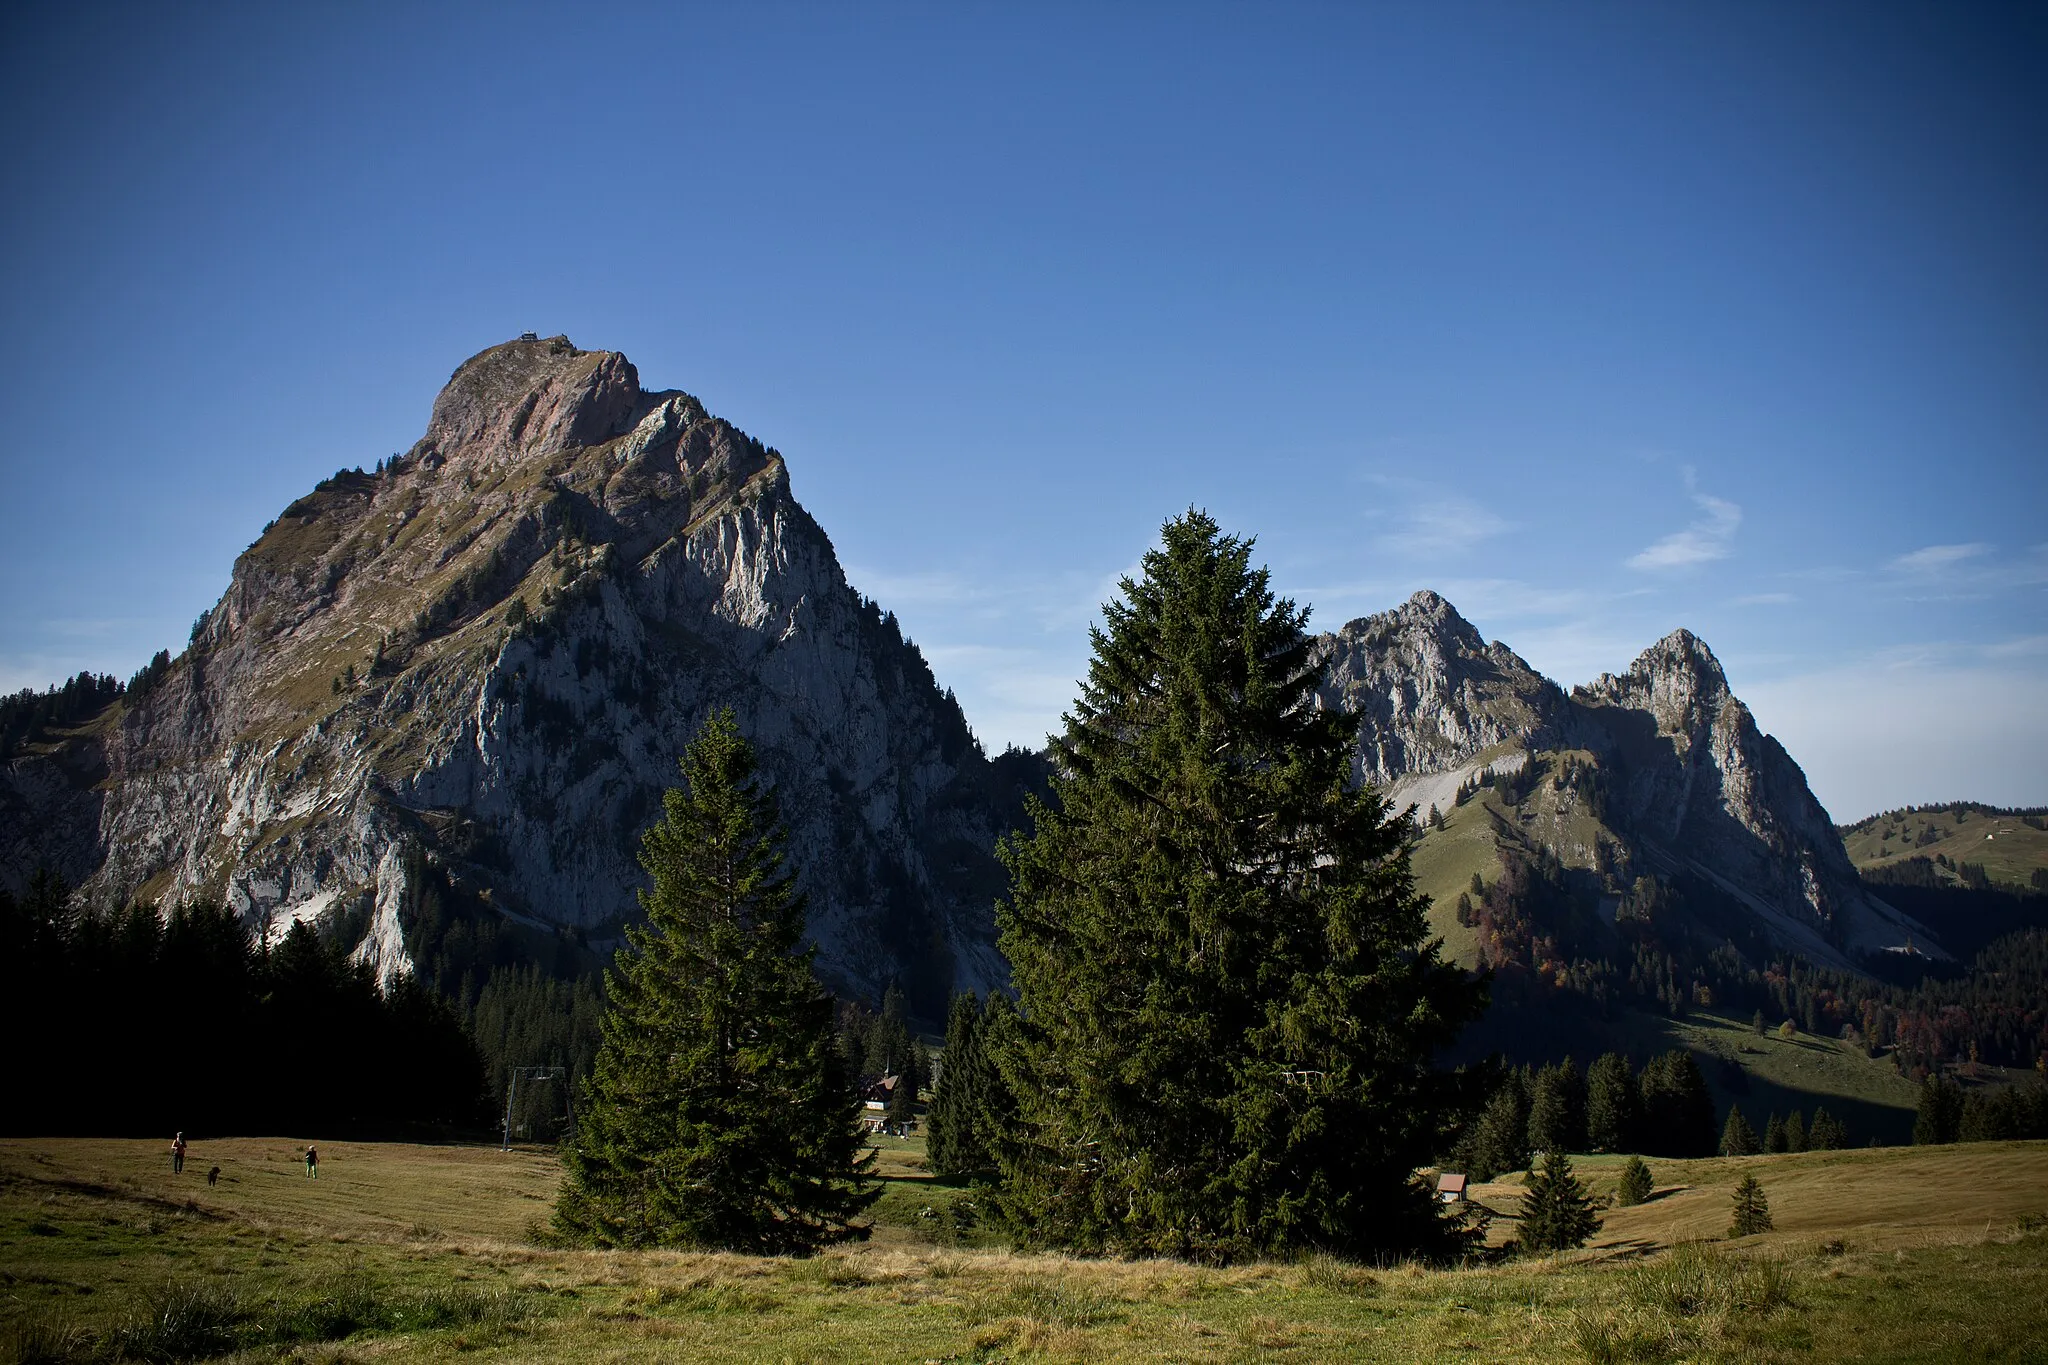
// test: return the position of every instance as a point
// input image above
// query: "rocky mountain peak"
(1686, 778)
(1678, 680)
(1682, 654)
(527, 399)
(1430, 691)
(470, 672)
(1429, 614)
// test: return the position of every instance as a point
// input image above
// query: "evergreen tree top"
(1197, 647)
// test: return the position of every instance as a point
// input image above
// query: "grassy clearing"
(420, 1253)
(2008, 848)
(1771, 1073)
(1443, 865)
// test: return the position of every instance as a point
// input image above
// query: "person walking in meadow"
(178, 1154)
(312, 1162)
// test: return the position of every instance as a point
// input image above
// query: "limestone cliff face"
(1430, 693)
(1690, 782)
(1697, 776)
(485, 659)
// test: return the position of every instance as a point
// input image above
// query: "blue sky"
(1599, 319)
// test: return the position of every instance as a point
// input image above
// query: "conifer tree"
(1557, 1213)
(1774, 1134)
(719, 1112)
(1228, 998)
(1827, 1133)
(1557, 1109)
(1795, 1132)
(1940, 1115)
(993, 1109)
(1752, 1210)
(1737, 1137)
(1635, 1184)
(1678, 1112)
(1501, 1141)
(1613, 1105)
(902, 1108)
(950, 1142)
(920, 1064)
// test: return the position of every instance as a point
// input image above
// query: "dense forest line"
(532, 999)
(187, 1020)
(529, 998)
(1541, 937)
(137, 1022)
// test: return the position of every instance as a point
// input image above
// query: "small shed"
(1450, 1189)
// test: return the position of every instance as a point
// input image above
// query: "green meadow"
(403, 1253)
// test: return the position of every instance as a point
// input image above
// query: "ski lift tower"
(531, 1073)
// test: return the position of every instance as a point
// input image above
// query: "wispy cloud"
(1935, 558)
(2022, 647)
(1707, 539)
(1442, 528)
(1765, 599)
(1968, 572)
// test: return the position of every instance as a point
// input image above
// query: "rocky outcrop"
(1697, 776)
(483, 659)
(1430, 693)
(1689, 781)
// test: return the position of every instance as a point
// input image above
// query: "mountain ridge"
(480, 660)
(1685, 779)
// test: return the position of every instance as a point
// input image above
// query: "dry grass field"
(408, 1253)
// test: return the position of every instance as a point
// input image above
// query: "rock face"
(1430, 693)
(1689, 781)
(483, 661)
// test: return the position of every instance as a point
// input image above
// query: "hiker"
(178, 1154)
(312, 1162)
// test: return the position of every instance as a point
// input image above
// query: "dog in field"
(213, 1176)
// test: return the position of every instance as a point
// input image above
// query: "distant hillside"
(1641, 868)
(1959, 844)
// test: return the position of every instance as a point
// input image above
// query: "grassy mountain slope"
(1553, 806)
(1772, 1074)
(2010, 845)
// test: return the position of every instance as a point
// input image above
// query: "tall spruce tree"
(1613, 1105)
(1940, 1117)
(1827, 1133)
(1228, 998)
(1500, 1138)
(720, 1111)
(1752, 1209)
(1737, 1137)
(1635, 1184)
(1557, 1109)
(1557, 1213)
(953, 1143)
(1678, 1111)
